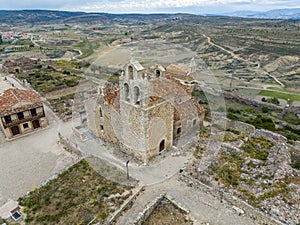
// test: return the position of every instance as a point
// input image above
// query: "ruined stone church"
(149, 111)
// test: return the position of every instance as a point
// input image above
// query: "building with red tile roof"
(21, 112)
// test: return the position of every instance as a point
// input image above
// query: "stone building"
(21, 112)
(147, 112)
(20, 65)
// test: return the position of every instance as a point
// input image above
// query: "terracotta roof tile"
(178, 70)
(12, 96)
(112, 97)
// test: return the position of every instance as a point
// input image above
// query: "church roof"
(167, 88)
(178, 70)
(112, 97)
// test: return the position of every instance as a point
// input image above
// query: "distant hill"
(19, 17)
(290, 14)
(35, 17)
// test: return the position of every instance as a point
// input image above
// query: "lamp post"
(127, 170)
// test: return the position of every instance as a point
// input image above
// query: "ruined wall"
(240, 126)
(238, 205)
(276, 138)
(69, 146)
(148, 211)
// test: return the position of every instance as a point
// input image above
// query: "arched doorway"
(162, 145)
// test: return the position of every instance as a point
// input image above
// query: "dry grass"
(166, 213)
(77, 196)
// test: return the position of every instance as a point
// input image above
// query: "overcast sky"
(151, 6)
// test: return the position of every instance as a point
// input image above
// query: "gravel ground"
(28, 161)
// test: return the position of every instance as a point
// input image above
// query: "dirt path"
(162, 177)
(204, 208)
(235, 56)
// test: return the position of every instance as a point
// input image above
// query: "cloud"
(40, 4)
(148, 5)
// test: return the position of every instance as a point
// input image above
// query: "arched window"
(130, 72)
(157, 73)
(194, 122)
(126, 91)
(100, 111)
(136, 98)
(162, 145)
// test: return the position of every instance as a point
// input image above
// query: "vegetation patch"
(62, 105)
(57, 76)
(291, 118)
(295, 158)
(273, 100)
(274, 94)
(228, 169)
(77, 196)
(262, 122)
(167, 212)
(257, 148)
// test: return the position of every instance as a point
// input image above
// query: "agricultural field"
(292, 97)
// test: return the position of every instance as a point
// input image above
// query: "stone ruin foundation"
(164, 210)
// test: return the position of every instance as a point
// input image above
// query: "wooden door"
(15, 130)
(36, 124)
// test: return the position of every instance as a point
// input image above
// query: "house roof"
(12, 96)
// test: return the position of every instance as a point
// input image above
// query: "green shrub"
(232, 116)
(292, 118)
(261, 122)
(233, 131)
(231, 110)
(258, 148)
(295, 161)
(273, 100)
(265, 109)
